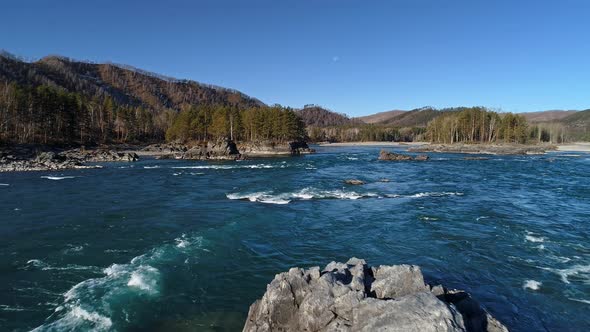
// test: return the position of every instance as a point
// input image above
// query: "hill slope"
(316, 116)
(126, 85)
(381, 116)
(544, 116)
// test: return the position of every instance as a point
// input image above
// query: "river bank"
(22, 158)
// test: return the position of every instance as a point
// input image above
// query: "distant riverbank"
(577, 147)
(373, 144)
(573, 147)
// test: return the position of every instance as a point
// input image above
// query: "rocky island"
(227, 150)
(354, 296)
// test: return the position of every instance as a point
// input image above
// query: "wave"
(532, 237)
(57, 178)
(532, 284)
(579, 300)
(37, 264)
(94, 303)
(434, 194)
(303, 194)
(576, 270)
(73, 249)
(429, 218)
(151, 167)
(233, 166)
(311, 193)
(4, 307)
(4, 185)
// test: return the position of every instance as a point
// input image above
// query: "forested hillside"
(60, 101)
(317, 116)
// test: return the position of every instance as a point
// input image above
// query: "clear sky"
(354, 57)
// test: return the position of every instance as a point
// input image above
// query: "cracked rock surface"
(353, 296)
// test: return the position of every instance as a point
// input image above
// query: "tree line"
(48, 115)
(365, 133)
(481, 125)
(205, 122)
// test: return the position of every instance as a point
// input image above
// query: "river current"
(162, 245)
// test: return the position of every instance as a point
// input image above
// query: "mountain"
(544, 116)
(381, 116)
(124, 84)
(316, 116)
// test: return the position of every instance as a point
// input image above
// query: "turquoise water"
(188, 246)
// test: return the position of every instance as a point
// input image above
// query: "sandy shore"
(373, 144)
(577, 147)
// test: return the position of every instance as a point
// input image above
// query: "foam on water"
(532, 284)
(37, 264)
(304, 194)
(57, 178)
(92, 303)
(232, 166)
(151, 167)
(532, 237)
(145, 278)
(576, 270)
(310, 193)
(580, 300)
(435, 194)
(4, 185)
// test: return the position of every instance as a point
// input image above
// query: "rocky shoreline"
(354, 296)
(23, 158)
(493, 149)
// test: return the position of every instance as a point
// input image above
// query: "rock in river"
(386, 155)
(353, 296)
(355, 182)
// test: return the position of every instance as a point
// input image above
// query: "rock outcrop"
(27, 159)
(356, 297)
(100, 155)
(227, 150)
(390, 156)
(265, 149)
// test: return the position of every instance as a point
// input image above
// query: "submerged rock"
(355, 182)
(386, 155)
(353, 296)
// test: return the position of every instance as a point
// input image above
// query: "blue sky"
(354, 57)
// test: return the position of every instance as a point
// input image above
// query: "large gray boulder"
(353, 296)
